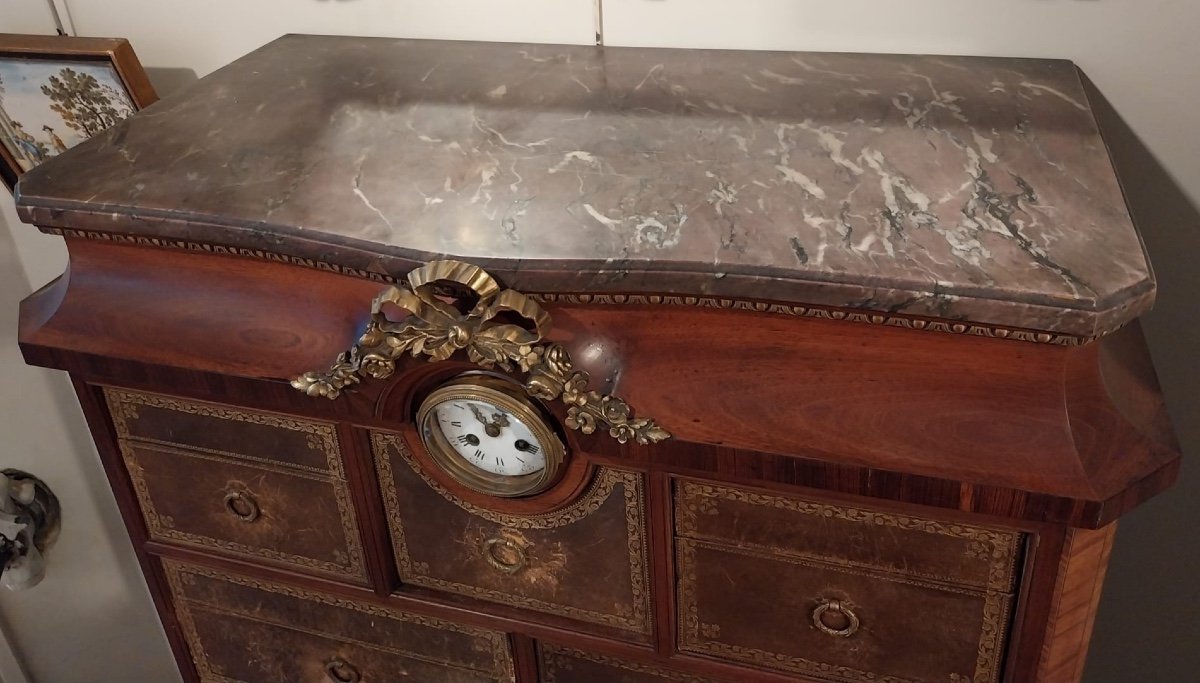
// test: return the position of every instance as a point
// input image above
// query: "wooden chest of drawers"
(463, 363)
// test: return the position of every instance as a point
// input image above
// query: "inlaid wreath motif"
(504, 329)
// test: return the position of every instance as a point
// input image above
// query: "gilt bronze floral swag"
(436, 328)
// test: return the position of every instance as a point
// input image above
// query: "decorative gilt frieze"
(502, 328)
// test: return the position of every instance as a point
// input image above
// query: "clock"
(486, 433)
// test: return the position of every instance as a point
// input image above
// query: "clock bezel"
(511, 398)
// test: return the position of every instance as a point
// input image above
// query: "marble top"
(962, 188)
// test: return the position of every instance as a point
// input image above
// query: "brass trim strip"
(801, 311)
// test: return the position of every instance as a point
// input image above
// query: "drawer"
(567, 665)
(960, 554)
(242, 630)
(586, 561)
(840, 593)
(835, 624)
(231, 431)
(246, 483)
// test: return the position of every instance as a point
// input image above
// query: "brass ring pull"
(504, 554)
(340, 671)
(837, 607)
(242, 505)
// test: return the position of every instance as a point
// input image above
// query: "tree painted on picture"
(27, 149)
(85, 104)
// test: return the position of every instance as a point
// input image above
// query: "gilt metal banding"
(491, 337)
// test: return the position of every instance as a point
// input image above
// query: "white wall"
(1144, 56)
(91, 619)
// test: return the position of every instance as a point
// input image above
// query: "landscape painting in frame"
(50, 102)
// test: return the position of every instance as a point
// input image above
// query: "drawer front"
(838, 592)
(243, 630)
(800, 616)
(567, 665)
(947, 552)
(240, 482)
(586, 561)
(225, 430)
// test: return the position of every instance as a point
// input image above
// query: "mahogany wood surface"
(1014, 429)
(1043, 441)
(1077, 596)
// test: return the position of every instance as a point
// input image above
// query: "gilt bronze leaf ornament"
(490, 335)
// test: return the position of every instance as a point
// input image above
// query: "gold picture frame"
(56, 91)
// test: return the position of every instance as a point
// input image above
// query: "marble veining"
(963, 188)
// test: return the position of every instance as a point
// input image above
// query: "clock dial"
(485, 432)
(490, 438)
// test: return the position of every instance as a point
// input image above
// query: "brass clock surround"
(507, 396)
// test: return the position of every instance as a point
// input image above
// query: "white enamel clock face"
(487, 434)
(490, 438)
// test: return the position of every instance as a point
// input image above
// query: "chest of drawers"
(767, 367)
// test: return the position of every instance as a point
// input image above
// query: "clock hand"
(493, 428)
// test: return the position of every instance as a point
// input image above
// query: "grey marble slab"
(963, 188)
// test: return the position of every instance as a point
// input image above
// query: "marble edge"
(1088, 96)
(1085, 319)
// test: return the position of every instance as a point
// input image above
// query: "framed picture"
(56, 91)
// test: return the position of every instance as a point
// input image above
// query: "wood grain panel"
(1073, 611)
